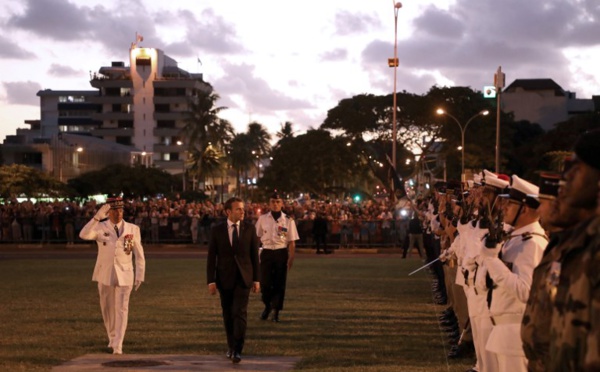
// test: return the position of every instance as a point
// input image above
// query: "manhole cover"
(135, 363)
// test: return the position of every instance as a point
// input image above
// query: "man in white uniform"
(510, 265)
(114, 272)
(278, 235)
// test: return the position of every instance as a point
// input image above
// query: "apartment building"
(135, 114)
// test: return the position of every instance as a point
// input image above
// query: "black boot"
(276, 316)
(265, 314)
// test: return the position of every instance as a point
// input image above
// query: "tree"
(118, 178)
(315, 162)
(286, 131)
(240, 157)
(20, 180)
(203, 129)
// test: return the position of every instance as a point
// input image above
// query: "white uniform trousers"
(481, 326)
(114, 304)
(505, 342)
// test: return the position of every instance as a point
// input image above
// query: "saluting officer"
(118, 242)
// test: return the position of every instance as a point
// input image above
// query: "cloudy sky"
(273, 61)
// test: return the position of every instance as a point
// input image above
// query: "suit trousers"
(234, 304)
(273, 277)
(114, 304)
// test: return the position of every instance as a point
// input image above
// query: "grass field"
(341, 314)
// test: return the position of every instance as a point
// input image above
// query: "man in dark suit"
(233, 270)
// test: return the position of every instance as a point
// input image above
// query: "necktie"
(235, 238)
(117, 230)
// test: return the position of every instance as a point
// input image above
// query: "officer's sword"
(424, 266)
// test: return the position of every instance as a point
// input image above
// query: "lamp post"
(394, 63)
(183, 154)
(462, 134)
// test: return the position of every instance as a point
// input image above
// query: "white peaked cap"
(492, 180)
(525, 187)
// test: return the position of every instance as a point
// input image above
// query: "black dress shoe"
(448, 323)
(265, 314)
(276, 316)
(464, 350)
(229, 354)
(236, 358)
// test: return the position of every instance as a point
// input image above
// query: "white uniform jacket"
(113, 265)
(276, 234)
(522, 253)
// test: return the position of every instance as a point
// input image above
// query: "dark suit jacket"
(223, 262)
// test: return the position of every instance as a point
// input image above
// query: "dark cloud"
(54, 19)
(22, 93)
(467, 42)
(64, 71)
(347, 23)
(239, 79)
(334, 55)
(10, 50)
(439, 23)
(115, 28)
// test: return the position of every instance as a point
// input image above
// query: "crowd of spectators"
(367, 223)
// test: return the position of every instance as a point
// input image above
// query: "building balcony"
(182, 83)
(182, 100)
(173, 166)
(111, 100)
(166, 132)
(112, 116)
(111, 83)
(112, 132)
(173, 115)
(168, 148)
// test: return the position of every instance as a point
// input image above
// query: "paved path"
(179, 363)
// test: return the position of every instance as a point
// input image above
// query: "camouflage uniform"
(535, 327)
(575, 325)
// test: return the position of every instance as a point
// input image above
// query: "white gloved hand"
(102, 212)
(445, 256)
(137, 284)
(491, 252)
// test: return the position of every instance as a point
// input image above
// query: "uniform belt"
(506, 319)
(273, 248)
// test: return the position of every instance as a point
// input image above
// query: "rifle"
(496, 231)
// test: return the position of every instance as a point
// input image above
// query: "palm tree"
(204, 129)
(208, 163)
(240, 156)
(202, 124)
(286, 131)
(259, 138)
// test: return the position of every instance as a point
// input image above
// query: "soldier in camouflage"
(574, 342)
(560, 219)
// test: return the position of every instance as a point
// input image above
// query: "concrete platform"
(173, 362)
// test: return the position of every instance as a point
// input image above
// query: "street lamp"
(441, 111)
(184, 153)
(394, 63)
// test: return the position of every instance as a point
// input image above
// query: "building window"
(125, 124)
(31, 158)
(123, 140)
(165, 124)
(161, 108)
(143, 61)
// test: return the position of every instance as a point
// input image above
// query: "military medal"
(128, 243)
